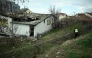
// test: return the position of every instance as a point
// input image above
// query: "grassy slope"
(54, 34)
(80, 47)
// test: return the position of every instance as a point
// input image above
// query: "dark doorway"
(31, 31)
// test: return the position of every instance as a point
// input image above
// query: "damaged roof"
(35, 22)
(28, 23)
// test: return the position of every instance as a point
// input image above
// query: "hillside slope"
(80, 47)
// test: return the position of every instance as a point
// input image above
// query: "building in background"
(62, 16)
(8, 6)
(25, 11)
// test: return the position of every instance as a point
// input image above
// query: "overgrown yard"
(80, 47)
(25, 48)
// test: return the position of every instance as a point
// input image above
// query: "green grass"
(23, 53)
(84, 49)
(45, 47)
(81, 48)
(86, 43)
(18, 54)
(53, 34)
(52, 31)
(73, 54)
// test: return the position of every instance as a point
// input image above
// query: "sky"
(70, 7)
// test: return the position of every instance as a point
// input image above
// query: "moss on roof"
(43, 17)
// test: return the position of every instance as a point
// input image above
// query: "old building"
(8, 6)
(34, 24)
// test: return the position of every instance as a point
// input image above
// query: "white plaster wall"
(9, 22)
(42, 27)
(9, 19)
(7, 29)
(22, 29)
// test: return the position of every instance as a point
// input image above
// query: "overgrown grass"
(23, 53)
(18, 44)
(80, 47)
(45, 47)
(31, 51)
(87, 43)
(53, 34)
(8, 46)
(52, 31)
(83, 48)
(26, 52)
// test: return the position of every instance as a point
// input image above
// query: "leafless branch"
(55, 14)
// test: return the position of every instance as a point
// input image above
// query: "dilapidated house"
(33, 24)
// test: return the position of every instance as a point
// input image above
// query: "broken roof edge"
(26, 23)
(44, 19)
(32, 22)
(30, 15)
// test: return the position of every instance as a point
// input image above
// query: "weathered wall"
(42, 27)
(21, 29)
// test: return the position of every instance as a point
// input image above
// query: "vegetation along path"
(81, 47)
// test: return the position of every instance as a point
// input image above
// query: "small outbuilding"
(33, 24)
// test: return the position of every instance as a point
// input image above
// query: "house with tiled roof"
(81, 17)
(84, 17)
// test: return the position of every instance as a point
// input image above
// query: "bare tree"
(55, 14)
(13, 31)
